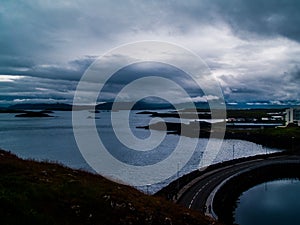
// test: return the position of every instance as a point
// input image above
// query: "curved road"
(199, 193)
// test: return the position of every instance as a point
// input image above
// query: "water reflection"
(53, 139)
(275, 202)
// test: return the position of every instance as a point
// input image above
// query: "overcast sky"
(252, 47)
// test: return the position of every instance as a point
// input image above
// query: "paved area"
(199, 193)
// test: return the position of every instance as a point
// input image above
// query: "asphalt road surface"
(197, 194)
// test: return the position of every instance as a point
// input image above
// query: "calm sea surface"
(53, 139)
(275, 203)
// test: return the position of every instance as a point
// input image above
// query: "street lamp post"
(147, 186)
(177, 176)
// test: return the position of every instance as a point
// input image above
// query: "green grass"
(251, 113)
(287, 138)
(47, 193)
(284, 131)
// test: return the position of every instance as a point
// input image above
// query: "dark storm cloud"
(73, 70)
(34, 39)
(251, 46)
(138, 71)
(246, 18)
(263, 17)
(255, 17)
(254, 89)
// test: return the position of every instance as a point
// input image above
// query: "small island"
(33, 114)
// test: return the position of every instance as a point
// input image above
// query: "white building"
(292, 116)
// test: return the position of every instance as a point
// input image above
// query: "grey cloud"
(247, 18)
(73, 70)
(37, 88)
(284, 87)
(15, 62)
(294, 74)
(146, 69)
(44, 39)
(262, 17)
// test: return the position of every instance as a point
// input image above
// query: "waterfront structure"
(292, 116)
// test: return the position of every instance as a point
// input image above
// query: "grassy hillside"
(47, 193)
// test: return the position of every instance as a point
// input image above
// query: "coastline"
(285, 138)
(224, 204)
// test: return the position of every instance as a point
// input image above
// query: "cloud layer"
(252, 47)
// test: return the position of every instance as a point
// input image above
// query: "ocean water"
(52, 139)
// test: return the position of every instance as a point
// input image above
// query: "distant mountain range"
(41, 106)
(141, 105)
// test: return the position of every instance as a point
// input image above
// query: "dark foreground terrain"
(47, 193)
